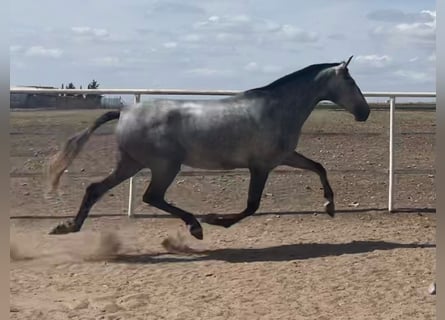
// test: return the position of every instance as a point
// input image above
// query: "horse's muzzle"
(362, 116)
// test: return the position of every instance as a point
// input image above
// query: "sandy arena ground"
(289, 261)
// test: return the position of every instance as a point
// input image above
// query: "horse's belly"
(213, 162)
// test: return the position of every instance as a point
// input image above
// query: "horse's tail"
(61, 160)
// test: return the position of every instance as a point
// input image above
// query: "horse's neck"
(299, 97)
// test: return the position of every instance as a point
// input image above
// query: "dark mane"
(305, 72)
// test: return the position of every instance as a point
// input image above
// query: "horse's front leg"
(258, 178)
(297, 160)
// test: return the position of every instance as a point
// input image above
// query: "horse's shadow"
(287, 252)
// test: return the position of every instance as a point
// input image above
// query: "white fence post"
(392, 105)
(137, 99)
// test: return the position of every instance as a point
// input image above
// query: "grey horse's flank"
(257, 129)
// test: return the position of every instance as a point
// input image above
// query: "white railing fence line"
(137, 98)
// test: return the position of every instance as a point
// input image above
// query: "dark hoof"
(64, 228)
(217, 220)
(196, 231)
(330, 208)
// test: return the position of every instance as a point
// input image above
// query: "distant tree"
(93, 85)
(70, 86)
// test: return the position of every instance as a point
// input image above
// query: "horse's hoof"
(64, 228)
(329, 207)
(196, 231)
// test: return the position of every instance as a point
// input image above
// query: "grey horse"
(257, 129)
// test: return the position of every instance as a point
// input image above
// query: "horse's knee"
(320, 169)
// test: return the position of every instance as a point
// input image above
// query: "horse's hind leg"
(258, 178)
(297, 160)
(162, 175)
(126, 168)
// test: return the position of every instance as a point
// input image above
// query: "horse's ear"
(347, 62)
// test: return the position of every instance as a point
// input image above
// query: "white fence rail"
(137, 97)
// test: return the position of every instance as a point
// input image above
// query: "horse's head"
(343, 91)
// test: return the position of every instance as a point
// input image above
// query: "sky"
(230, 44)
